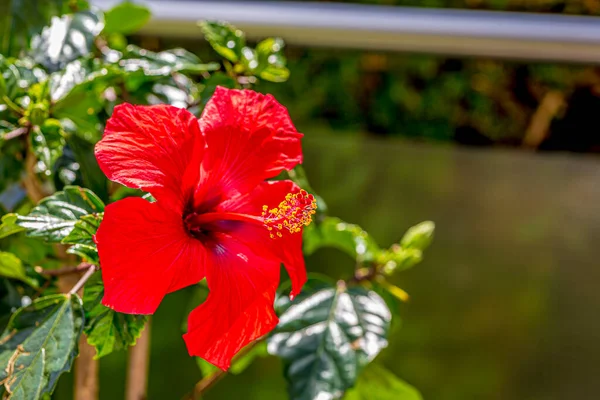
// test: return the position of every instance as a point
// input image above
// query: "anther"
(291, 214)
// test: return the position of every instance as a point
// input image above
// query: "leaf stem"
(83, 279)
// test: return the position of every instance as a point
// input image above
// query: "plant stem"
(83, 279)
(137, 367)
(33, 186)
(16, 133)
(65, 270)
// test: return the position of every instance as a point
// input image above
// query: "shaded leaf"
(378, 383)
(12, 267)
(38, 345)
(126, 18)
(55, 216)
(108, 330)
(326, 337)
(66, 39)
(227, 40)
(239, 363)
(333, 232)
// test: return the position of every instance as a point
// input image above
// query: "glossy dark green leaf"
(55, 216)
(226, 39)
(108, 330)
(326, 337)
(333, 232)
(66, 39)
(81, 237)
(126, 18)
(38, 345)
(12, 267)
(163, 63)
(376, 382)
(271, 61)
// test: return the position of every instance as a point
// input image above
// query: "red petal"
(250, 138)
(239, 308)
(154, 148)
(144, 254)
(287, 249)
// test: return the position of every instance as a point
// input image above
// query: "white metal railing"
(440, 31)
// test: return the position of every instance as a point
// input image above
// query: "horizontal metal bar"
(453, 32)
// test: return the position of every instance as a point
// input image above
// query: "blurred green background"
(506, 303)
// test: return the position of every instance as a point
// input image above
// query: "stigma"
(294, 212)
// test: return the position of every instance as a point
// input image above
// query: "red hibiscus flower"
(215, 215)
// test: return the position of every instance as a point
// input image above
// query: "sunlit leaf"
(271, 61)
(19, 21)
(67, 38)
(55, 216)
(333, 232)
(108, 330)
(38, 345)
(225, 39)
(326, 337)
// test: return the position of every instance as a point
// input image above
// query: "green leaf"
(66, 39)
(126, 18)
(271, 61)
(75, 83)
(227, 40)
(55, 216)
(333, 232)
(47, 142)
(376, 382)
(163, 63)
(38, 345)
(419, 236)
(108, 330)
(12, 267)
(9, 225)
(82, 238)
(326, 337)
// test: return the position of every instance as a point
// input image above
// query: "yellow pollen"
(291, 214)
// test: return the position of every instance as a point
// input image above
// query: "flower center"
(291, 214)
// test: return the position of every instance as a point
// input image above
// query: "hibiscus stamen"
(291, 214)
